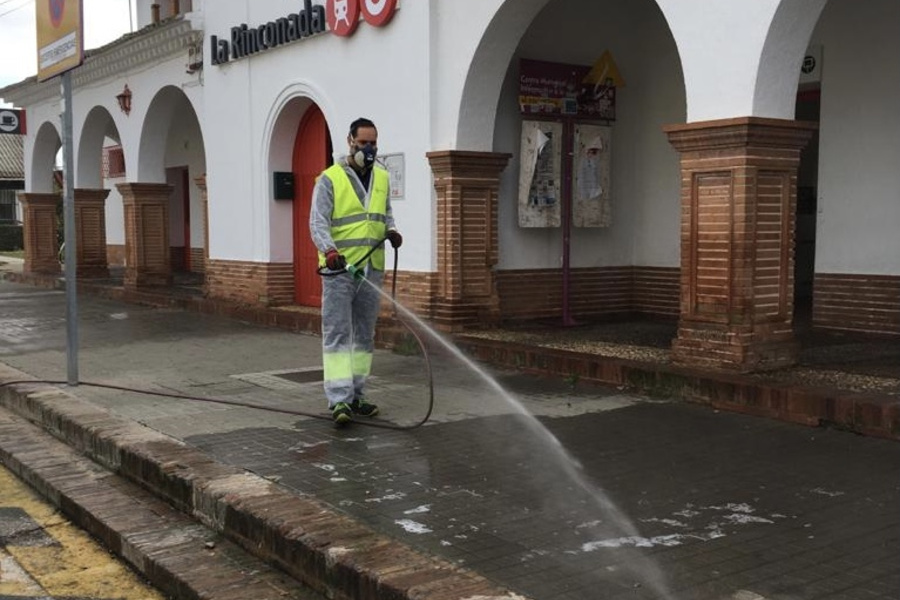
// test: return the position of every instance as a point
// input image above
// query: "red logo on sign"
(56, 11)
(378, 12)
(342, 16)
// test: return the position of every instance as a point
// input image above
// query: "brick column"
(40, 232)
(467, 184)
(147, 253)
(738, 198)
(200, 182)
(90, 231)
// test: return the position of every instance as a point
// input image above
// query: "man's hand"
(395, 238)
(335, 261)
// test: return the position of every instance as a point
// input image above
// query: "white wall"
(859, 155)
(720, 45)
(286, 113)
(472, 44)
(410, 77)
(41, 146)
(380, 73)
(645, 173)
(115, 212)
(144, 84)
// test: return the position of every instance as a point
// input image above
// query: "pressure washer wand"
(357, 272)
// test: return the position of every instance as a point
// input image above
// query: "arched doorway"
(312, 155)
(161, 206)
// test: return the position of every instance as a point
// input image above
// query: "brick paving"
(184, 559)
(640, 498)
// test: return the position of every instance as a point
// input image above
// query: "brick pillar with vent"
(467, 184)
(40, 232)
(738, 198)
(90, 232)
(147, 254)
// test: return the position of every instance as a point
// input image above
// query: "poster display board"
(566, 148)
(540, 184)
(564, 162)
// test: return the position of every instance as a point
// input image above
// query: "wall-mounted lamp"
(195, 58)
(124, 100)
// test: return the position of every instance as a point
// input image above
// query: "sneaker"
(359, 406)
(341, 413)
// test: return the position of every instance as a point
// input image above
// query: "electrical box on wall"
(284, 185)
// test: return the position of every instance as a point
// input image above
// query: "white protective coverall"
(349, 306)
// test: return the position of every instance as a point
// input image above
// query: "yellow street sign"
(605, 71)
(60, 38)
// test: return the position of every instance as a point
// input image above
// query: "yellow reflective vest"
(353, 228)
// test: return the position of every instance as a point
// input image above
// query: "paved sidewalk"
(516, 487)
(843, 379)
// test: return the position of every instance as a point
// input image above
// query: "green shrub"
(11, 237)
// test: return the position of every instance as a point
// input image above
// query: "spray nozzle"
(356, 272)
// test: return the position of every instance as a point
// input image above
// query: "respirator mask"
(364, 156)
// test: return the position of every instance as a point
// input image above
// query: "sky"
(103, 21)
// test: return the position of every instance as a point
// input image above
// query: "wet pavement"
(551, 489)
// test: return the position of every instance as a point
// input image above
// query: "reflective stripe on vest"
(353, 229)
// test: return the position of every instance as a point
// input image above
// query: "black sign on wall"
(12, 120)
(246, 41)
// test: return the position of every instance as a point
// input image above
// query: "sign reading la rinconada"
(340, 17)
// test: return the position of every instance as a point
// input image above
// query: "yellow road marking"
(77, 567)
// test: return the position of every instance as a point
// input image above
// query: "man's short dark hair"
(360, 122)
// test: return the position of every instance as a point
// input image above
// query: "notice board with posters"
(566, 145)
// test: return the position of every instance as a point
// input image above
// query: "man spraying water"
(351, 213)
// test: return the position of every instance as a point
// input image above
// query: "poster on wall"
(540, 173)
(591, 205)
(395, 166)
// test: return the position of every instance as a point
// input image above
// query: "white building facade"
(749, 172)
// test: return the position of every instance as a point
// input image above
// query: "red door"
(312, 155)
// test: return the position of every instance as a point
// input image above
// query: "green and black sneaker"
(360, 407)
(341, 413)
